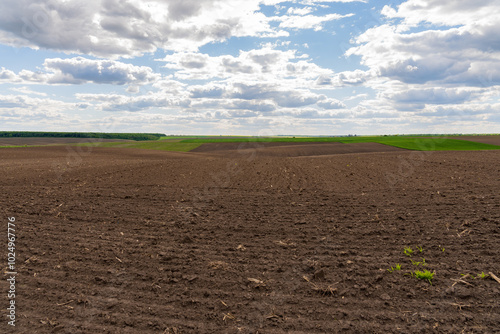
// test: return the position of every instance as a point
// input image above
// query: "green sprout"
(398, 267)
(408, 251)
(420, 249)
(415, 263)
(425, 275)
(482, 275)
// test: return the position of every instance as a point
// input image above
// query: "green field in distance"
(410, 142)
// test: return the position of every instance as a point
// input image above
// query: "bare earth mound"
(492, 140)
(290, 149)
(131, 241)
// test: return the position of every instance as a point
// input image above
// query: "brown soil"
(492, 140)
(15, 141)
(290, 149)
(132, 241)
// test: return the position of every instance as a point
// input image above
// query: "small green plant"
(415, 263)
(398, 267)
(408, 251)
(442, 249)
(420, 249)
(482, 275)
(425, 275)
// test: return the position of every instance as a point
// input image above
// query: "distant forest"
(130, 136)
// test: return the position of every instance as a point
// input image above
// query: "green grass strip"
(148, 145)
(15, 146)
(410, 142)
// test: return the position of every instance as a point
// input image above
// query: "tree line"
(130, 136)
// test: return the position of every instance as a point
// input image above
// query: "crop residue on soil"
(266, 240)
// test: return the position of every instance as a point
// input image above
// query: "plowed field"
(252, 239)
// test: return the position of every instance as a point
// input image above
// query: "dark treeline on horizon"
(131, 136)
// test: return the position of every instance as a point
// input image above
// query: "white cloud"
(460, 111)
(346, 78)
(240, 107)
(80, 70)
(27, 91)
(331, 104)
(299, 11)
(307, 21)
(357, 96)
(117, 102)
(435, 53)
(23, 109)
(8, 76)
(283, 97)
(251, 96)
(426, 60)
(421, 97)
(313, 114)
(318, 2)
(446, 13)
(133, 89)
(467, 54)
(128, 28)
(265, 64)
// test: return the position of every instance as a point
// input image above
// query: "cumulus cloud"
(299, 11)
(269, 96)
(430, 53)
(8, 76)
(306, 21)
(14, 101)
(319, 3)
(265, 64)
(80, 70)
(458, 52)
(18, 105)
(259, 81)
(209, 91)
(242, 107)
(420, 97)
(133, 89)
(461, 111)
(288, 98)
(331, 104)
(128, 28)
(310, 113)
(118, 102)
(425, 58)
(27, 91)
(446, 13)
(346, 78)
(252, 96)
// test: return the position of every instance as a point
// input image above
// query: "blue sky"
(250, 67)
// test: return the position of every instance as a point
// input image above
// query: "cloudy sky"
(250, 67)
